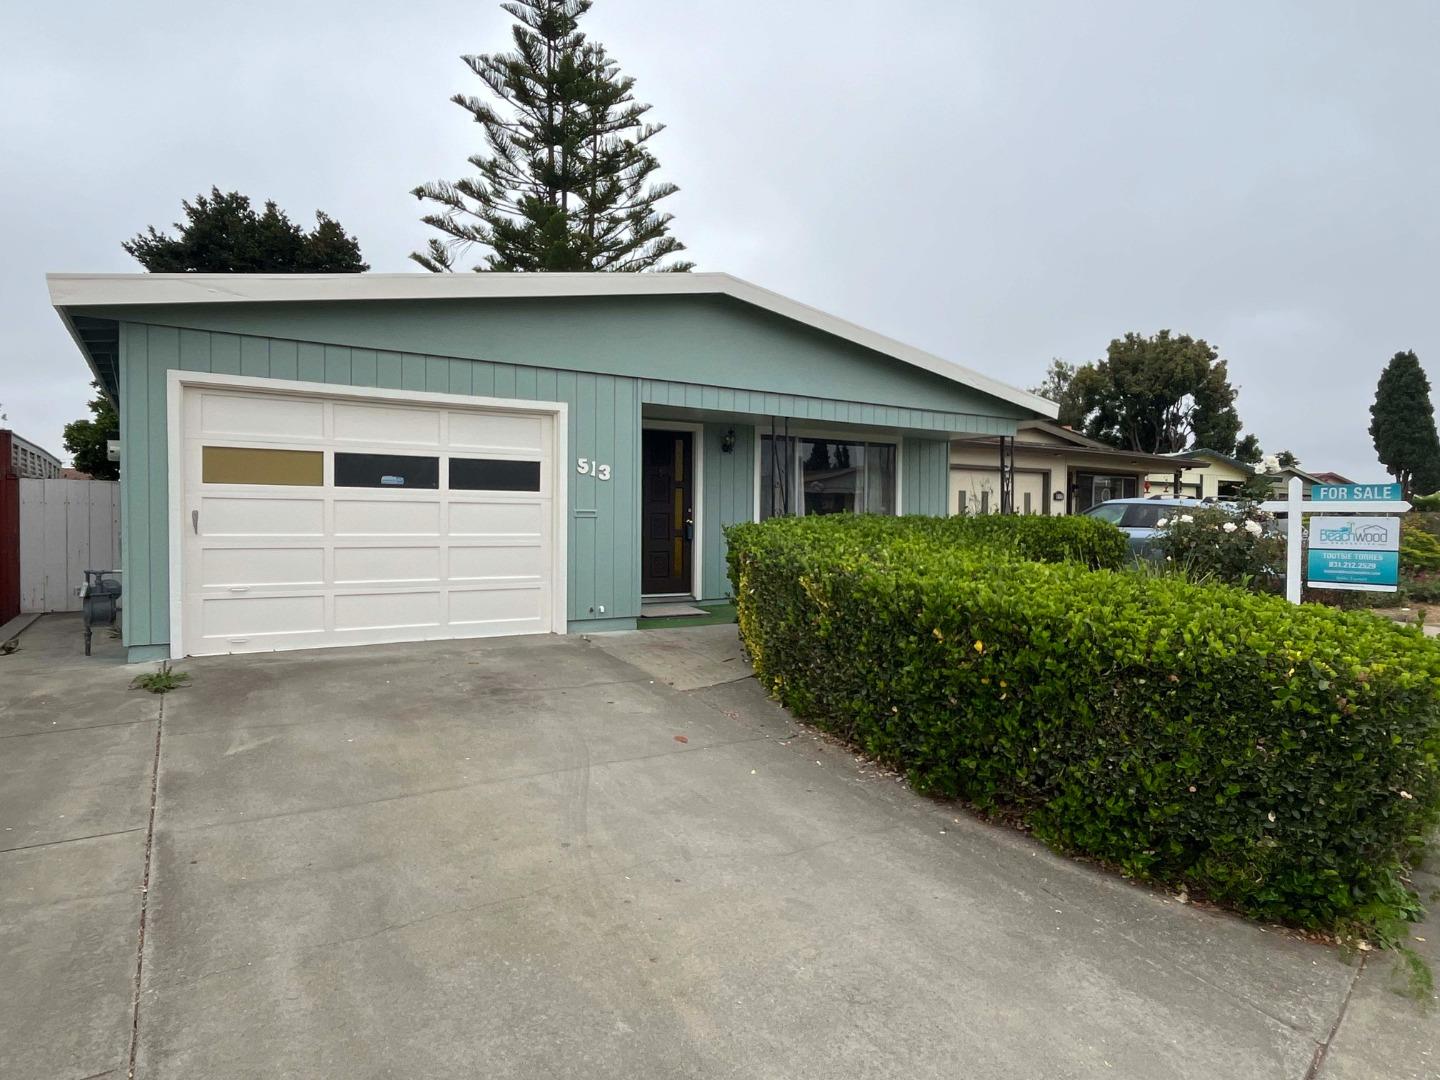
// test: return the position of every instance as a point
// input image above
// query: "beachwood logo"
(1367, 535)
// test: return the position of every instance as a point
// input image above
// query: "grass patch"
(162, 681)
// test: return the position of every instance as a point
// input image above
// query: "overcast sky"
(997, 182)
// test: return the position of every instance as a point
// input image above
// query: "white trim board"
(118, 290)
(177, 381)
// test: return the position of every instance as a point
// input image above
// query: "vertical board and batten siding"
(925, 477)
(66, 528)
(604, 425)
(727, 496)
(822, 410)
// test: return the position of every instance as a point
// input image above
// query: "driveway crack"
(1322, 1051)
(145, 892)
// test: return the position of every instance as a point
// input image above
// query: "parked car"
(1139, 519)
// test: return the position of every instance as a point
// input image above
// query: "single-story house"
(31, 461)
(1221, 476)
(315, 460)
(1056, 471)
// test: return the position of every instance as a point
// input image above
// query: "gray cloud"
(999, 183)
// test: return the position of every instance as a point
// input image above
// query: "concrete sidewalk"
(564, 857)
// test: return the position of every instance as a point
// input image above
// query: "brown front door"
(668, 519)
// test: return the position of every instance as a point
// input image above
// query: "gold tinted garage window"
(252, 465)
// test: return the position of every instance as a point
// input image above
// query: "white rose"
(1186, 519)
(1162, 523)
(1229, 526)
(1253, 528)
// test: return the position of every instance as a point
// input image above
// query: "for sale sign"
(1354, 553)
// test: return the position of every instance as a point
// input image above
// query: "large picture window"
(825, 476)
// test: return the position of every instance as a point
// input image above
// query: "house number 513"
(586, 467)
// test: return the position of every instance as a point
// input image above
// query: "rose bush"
(1235, 547)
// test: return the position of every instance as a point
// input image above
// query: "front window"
(825, 476)
(1092, 488)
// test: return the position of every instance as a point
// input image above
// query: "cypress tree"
(565, 181)
(1402, 423)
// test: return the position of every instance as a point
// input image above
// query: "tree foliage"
(223, 234)
(1059, 386)
(86, 439)
(566, 178)
(1402, 423)
(1156, 395)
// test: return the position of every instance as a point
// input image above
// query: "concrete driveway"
(561, 857)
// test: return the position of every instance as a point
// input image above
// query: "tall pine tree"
(1402, 423)
(565, 181)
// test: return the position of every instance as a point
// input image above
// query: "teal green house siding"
(618, 364)
(925, 477)
(729, 497)
(710, 341)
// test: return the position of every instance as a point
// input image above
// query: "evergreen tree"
(85, 439)
(1157, 395)
(1402, 423)
(222, 234)
(565, 181)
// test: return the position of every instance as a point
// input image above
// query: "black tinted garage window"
(386, 471)
(494, 474)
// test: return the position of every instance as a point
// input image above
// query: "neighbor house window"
(825, 476)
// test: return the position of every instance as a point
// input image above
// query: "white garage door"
(977, 491)
(310, 521)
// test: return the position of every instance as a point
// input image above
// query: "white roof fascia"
(111, 290)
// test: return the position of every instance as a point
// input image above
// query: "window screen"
(254, 465)
(494, 474)
(387, 471)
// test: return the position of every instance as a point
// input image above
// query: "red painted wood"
(9, 531)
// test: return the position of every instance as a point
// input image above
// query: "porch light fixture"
(727, 442)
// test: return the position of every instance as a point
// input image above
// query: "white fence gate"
(66, 528)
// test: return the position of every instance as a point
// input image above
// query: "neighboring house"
(1057, 471)
(1222, 476)
(1332, 478)
(1280, 480)
(31, 462)
(316, 460)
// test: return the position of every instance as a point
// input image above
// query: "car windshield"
(1132, 515)
(1144, 516)
(1111, 512)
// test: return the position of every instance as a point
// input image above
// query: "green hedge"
(1279, 759)
(1070, 538)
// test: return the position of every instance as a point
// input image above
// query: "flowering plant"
(1235, 545)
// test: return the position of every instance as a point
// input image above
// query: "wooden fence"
(66, 528)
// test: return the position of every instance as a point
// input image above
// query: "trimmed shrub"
(1069, 538)
(1278, 759)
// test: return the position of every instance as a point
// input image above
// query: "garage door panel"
(381, 517)
(253, 566)
(224, 616)
(249, 414)
(238, 516)
(480, 431)
(371, 565)
(469, 607)
(487, 518)
(497, 561)
(383, 542)
(381, 610)
(378, 424)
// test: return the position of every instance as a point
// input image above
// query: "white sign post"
(1367, 562)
